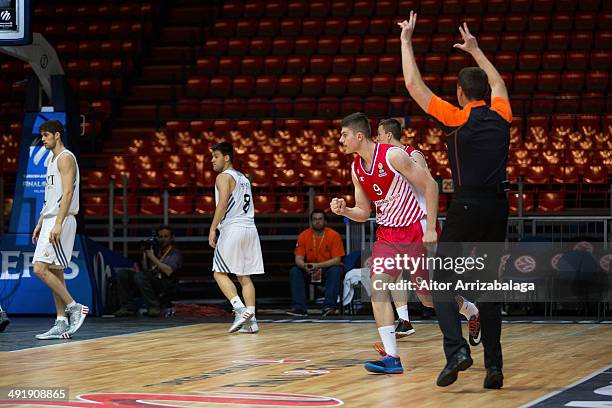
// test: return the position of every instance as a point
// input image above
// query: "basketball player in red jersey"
(390, 132)
(387, 176)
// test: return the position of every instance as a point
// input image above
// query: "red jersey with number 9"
(394, 197)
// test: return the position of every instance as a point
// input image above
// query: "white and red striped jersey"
(394, 197)
(412, 152)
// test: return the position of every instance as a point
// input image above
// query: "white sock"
(236, 303)
(402, 312)
(387, 335)
(252, 310)
(62, 319)
(71, 304)
(468, 309)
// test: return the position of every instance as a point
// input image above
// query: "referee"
(477, 138)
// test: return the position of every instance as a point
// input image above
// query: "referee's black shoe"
(460, 361)
(494, 379)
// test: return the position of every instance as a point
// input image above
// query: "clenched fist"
(338, 206)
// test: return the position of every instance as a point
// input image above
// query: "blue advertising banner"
(21, 292)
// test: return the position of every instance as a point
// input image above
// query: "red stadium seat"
(314, 177)
(335, 85)
(534, 41)
(289, 85)
(548, 81)
(264, 203)
(320, 64)
(274, 65)
(286, 178)
(292, 204)
(343, 64)
(205, 205)
(328, 45)
(312, 27)
(365, 64)
(281, 46)
(511, 41)
(516, 22)
(597, 81)
(178, 178)
(527, 202)
(293, 26)
(131, 206)
(350, 45)
(539, 22)
(180, 204)
(551, 201)
(268, 27)
(595, 175)
(95, 205)
(252, 65)
(97, 179)
(558, 41)
(312, 85)
(328, 107)
(505, 61)
(359, 85)
(581, 40)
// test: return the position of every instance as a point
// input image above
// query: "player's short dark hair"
(164, 227)
(358, 122)
(393, 126)
(225, 148)
(52, 126)
(318, 211)
(474, 82)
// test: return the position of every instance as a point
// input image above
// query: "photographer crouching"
(160, 260)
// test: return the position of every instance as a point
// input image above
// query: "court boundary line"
(567, 387)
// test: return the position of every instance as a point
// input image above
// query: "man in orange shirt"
(318, 254)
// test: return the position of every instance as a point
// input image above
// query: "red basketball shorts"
(401, 248)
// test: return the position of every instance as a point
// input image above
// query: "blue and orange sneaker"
(386, 364)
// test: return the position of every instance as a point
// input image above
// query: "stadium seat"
(132, 205)
(205, 205)
(343, 64)
(320, 64)
(365, 64)
(595, 174)
(292, 204)
(513, 199)
(597, 81)
(180, 204)
(551, 201)
(264, 203)
(97, 180)
(95, 205)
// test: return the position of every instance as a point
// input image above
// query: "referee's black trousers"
(473, 217)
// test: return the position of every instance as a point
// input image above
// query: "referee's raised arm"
(412, 77)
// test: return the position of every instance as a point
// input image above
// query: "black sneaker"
(4, 321)
(297, 313)
(403, 329)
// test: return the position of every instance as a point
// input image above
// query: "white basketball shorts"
(238, 251)
(57, 255)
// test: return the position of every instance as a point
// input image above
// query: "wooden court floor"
(214, 368)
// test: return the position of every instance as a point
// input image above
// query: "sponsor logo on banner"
(6, 15)
(554, 261)
(525, 264)
(129, 400)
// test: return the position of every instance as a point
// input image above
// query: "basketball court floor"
(183, 362)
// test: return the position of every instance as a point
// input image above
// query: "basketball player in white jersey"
(237, 250)
(390, 132)
(55, 232)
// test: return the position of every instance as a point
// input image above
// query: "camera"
(150, 243)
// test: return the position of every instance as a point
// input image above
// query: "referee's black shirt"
(478, 138)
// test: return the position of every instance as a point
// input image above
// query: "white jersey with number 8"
(240, 209)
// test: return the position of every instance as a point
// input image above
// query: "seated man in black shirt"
(156, 277)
